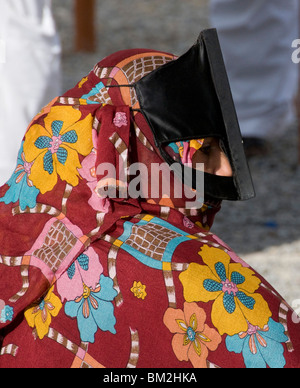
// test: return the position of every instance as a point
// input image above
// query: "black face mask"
(190, 98)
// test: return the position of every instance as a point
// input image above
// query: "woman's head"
(189, 98)
(178, 100)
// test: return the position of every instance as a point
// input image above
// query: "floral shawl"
(88, 281)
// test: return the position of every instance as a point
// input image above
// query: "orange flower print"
(192, 339)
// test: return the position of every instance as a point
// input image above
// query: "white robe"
(256, 38)
(29, 71)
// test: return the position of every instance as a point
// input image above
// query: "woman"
(98, 274)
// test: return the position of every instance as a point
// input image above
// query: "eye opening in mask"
(209, 152)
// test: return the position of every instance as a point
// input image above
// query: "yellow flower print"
(40, 315)
(232, 288)
(53, 148)
(139, 290)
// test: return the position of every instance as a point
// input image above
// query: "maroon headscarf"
(91, 281)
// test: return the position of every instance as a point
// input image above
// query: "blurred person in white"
(256, 38)
(29, 71)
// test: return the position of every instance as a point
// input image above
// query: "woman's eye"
(206, 149)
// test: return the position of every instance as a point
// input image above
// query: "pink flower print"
(55, 143)
(84, 271)
(88, 172)
(229, 287)
(188, 223)
(24, 170)
(120, 119)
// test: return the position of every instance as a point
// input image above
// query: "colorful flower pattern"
(94, 309)
(120, 119)
(85, 271)
(193, 339)
(40, 315)
(231, 287)
(184, 151)
(260, 347)
(53, 149)
(139, 290)
(217, 307)
(88, 172)
(21, 188)
(6, 313)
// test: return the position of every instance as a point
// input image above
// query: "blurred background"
(256, 37)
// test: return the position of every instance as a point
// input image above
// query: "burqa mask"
(190, 98)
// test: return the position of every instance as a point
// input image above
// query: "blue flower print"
(93, 309)
(54, 145)
(7, 314)
(260, 347)
(21, 188)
